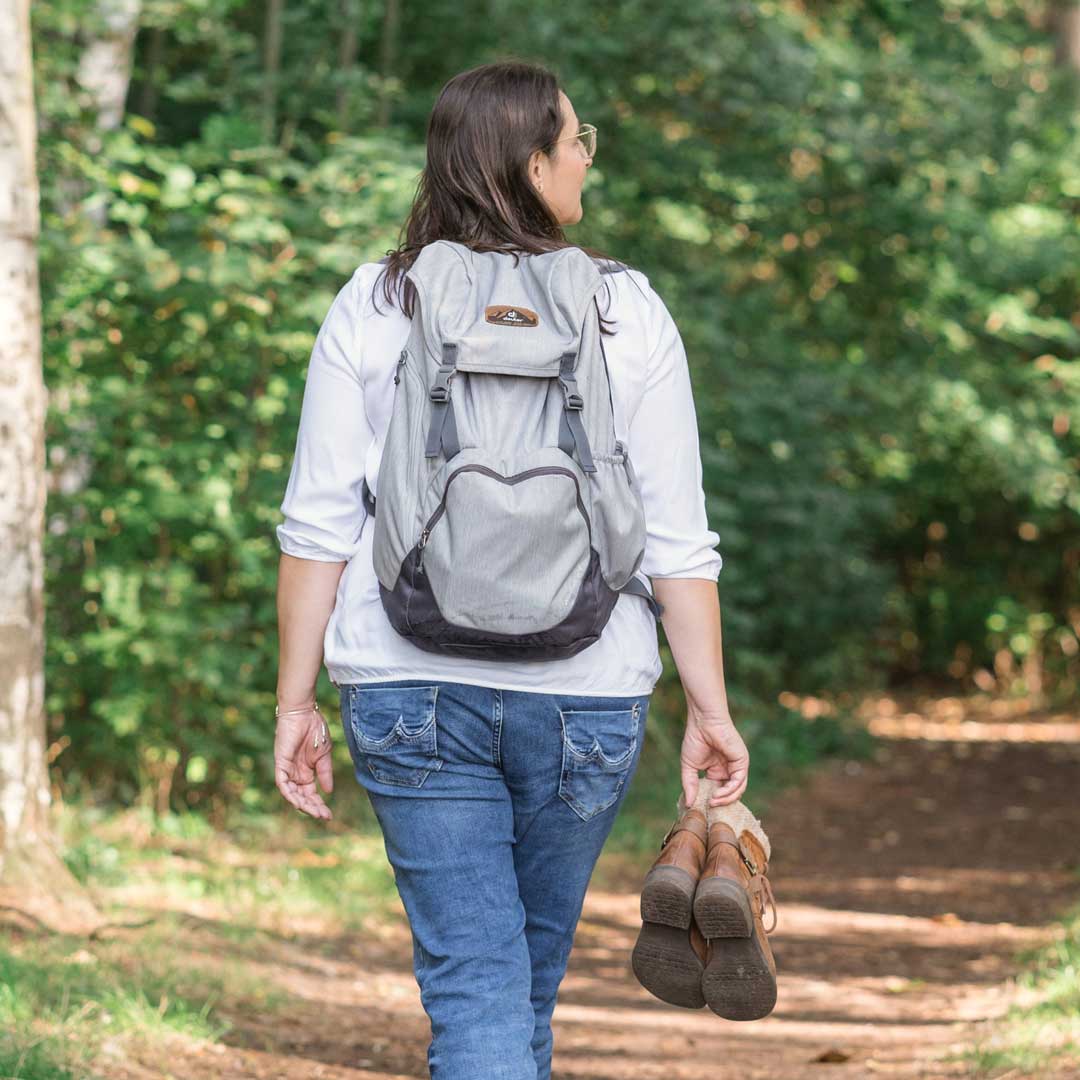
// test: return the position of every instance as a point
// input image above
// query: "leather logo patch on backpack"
(508, 315)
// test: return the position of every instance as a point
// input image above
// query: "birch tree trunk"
(33, 878)
(105, 64)
(105, 73)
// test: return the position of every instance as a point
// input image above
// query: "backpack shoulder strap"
(637, 587)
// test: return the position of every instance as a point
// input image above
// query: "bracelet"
(313, 707)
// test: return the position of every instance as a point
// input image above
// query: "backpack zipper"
(512, 479)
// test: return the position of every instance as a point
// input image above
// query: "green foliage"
(862, 217)
(174, 354)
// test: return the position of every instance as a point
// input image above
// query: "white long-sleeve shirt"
(344, 418)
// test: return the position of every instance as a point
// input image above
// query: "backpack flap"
(504, 319)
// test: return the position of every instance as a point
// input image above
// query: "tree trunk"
(155, 53)
(346, 59)
(1067, 20)
(104, 73)
(33, 878)
(387, 59)
(271, 69)
(105, 64)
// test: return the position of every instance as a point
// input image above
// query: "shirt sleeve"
(323, 505)
(665, 455)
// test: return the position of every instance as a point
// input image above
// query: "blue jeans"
(494, 806)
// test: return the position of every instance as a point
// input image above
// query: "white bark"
(105, 73)
(32, 876)
(105, 65)
(24, 790)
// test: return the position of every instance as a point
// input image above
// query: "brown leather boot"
(669, 956)
(739, 980)
(670, 962)
(667, 895)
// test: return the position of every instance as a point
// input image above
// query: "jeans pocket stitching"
(590, 765)
(375, 753)
(596, 752)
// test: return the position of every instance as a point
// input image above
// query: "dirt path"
(904, 887)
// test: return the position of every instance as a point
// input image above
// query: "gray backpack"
(509, 516)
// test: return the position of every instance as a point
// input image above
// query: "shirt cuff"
(302, 548)
(709, 571)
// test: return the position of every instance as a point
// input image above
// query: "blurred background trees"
(863, 216)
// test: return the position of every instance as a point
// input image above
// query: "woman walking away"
(496, 493)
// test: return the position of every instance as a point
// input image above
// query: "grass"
(205, 908)
(62, 999)
(263, 870)
(1042, 1030)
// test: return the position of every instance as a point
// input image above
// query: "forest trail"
(904, 887)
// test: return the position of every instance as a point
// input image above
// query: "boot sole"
(667, 897)
(665, 963)
(722, 909)
(737, 982)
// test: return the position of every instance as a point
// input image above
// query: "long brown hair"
(474, 189)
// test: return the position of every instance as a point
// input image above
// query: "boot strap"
(761, 888)
(758, 886)
(690, 824)
(743, 853)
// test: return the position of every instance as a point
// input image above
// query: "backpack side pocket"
(618, 516)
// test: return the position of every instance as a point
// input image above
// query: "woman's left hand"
(712, 743)
(302, 753)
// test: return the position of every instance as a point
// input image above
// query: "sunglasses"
(586, 138)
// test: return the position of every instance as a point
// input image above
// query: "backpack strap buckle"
(573, 399)
(571, 430)
(440, 388)
(443, 429)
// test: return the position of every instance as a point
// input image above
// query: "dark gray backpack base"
(414, 614)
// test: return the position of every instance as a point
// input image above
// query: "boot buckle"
(748, 859)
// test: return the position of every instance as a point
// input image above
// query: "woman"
(491, 838)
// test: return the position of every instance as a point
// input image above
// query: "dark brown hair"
(475, 189)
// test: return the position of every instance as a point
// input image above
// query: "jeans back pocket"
(599, 751)
(395, 731)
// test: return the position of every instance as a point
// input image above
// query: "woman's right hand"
(302, 750)
(712, 743)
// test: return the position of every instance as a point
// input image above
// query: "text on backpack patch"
(509, 315)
